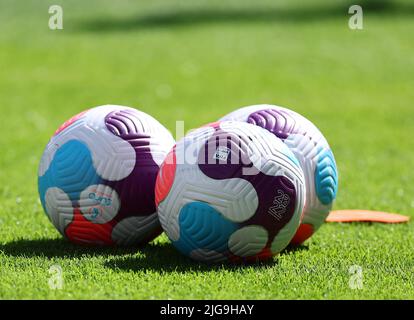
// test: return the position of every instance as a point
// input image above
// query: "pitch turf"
(195, 61)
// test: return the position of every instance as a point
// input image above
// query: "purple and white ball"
(97, 176)
(230, 191)
(313, 152)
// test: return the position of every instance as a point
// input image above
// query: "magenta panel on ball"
(133, 190)
(276, 194)
(279, 122)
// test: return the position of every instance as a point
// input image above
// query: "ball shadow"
(159, 257)
(296, 247)
(164, 258)
(60, 248)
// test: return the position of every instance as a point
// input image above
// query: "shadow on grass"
(58, 248)
(160, 257)
(191, 17)
(296, 248)
(165, 258)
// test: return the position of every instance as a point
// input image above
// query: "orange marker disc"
(365, 216)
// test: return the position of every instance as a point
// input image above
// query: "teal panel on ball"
(326, 177)
(203, 227)
(71, 170)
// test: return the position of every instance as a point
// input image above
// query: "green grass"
(196, 61)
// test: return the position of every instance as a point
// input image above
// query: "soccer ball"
(230, 191)
(97, 176)
(313, 152)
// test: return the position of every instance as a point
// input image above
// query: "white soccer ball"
(230, 191)
(97, 176)
(313, 152)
